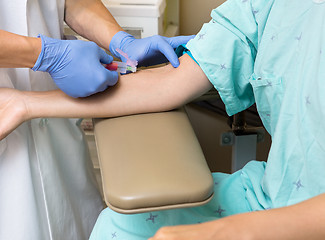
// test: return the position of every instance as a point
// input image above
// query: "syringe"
(120, 67)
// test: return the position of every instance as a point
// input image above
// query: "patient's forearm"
(146, 91)
(297, 222)
(127, 97)
(300, 221)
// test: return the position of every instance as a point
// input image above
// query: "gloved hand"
(75, 66)
(147, 51)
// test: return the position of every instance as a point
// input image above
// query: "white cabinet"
(144, 18)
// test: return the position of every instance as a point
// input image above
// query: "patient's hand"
(201, 231)
(215, 230)
(13, 110)
(229, 228)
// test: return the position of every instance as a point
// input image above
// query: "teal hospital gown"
(272, 53)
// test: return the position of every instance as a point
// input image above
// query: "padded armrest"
(151, 162)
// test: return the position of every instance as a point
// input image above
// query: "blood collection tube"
(120, 67)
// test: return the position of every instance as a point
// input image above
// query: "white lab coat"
(47, 187)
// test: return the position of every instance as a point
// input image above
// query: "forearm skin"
(151, 90)
(302, 221)
(92, 20)
(18, 51)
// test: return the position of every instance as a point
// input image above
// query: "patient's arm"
(301, 221)
(152, 90)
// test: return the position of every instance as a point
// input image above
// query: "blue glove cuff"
(118, 41)
(40, 56)
(43, 62)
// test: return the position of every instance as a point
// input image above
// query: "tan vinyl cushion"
(151, 162)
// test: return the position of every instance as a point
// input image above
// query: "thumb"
(104, 57)
(111, 77)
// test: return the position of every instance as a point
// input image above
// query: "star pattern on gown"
(219, 211)
(201, 36)
(298, 184)
(114, 235)
(152, 218)
(269, 83)
(298, 38)
(255, 11)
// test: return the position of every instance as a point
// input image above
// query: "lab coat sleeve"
(226, 49)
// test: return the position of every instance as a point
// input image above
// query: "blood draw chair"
(154, 161)
(151, 162)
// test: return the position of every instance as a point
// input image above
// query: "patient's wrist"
(34, 105)
(46, 104)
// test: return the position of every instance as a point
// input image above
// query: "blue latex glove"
(147, 51)
(75, 66)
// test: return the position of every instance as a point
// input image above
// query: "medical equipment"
(142, 18)
(120, 67)
(145, 18)
(72, 80)
(123, 67)
(243, 140)
(160, 164)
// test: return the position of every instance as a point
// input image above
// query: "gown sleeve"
(226, 48)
